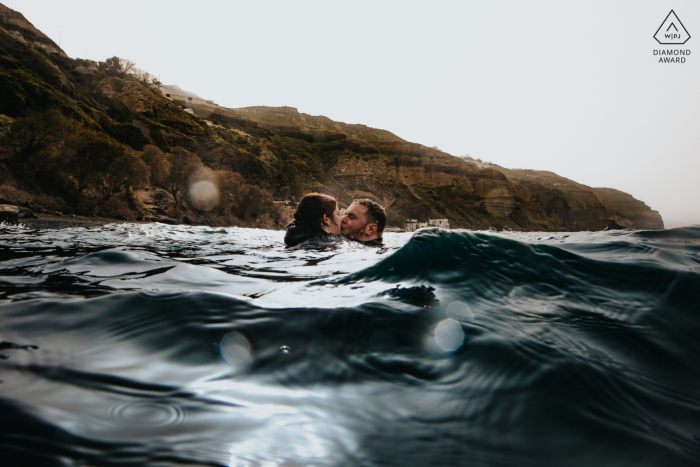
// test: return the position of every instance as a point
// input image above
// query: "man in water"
(364, 221)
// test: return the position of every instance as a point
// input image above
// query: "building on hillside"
(441, 223)
(174, 93)
(288, 204)
(412, 225)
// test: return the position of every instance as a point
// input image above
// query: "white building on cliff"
(412, 225)
(174, 93)
(442, 223)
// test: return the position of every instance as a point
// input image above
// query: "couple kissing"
(317, 222)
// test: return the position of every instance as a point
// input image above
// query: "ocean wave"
(159, 345)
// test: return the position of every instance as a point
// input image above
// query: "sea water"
(171, 345)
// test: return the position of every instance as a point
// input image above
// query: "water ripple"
(148, 413)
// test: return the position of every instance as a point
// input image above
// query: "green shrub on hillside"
(34, 147)
(5, 124)
(246, 202)
(56, 155)
(101, 164)
(181, 164)
(157, 163)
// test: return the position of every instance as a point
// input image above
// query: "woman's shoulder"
(320, 241)
(297, 234)
(309, 237)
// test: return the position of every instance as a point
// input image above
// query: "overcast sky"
(571, 87)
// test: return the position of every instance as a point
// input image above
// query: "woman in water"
(316, 222)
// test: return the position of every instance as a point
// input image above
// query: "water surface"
(171, 345)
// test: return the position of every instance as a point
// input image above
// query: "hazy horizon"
(570, 88)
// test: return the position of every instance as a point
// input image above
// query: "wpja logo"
(672, 32)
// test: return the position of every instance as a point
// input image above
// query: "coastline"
(44, 221)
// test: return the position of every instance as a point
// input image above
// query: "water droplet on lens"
(449, 335)
(460, 310)
(235, 350)
(204, 194)
(285, 349)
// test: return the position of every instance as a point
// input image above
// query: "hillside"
(460, 189)
(277, 151)
(584, 207)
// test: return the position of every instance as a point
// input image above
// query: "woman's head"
(318, 210)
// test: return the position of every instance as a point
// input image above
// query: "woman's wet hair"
(311, 209)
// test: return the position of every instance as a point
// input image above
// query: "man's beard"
(357, 234)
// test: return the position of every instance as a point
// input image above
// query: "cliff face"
(639, 214)
(289, 116)
(398, 172)
(289, 153)
(584, 207)
(16, 24)
(144, 100)
(415, 181)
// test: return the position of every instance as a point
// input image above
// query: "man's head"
(364, 220)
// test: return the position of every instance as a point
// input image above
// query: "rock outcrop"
(289, 116)
(16, 24)
(641, 215)
(581, 207)
(12, 214)
(142, 99)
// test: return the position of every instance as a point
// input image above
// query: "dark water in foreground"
(162, 345)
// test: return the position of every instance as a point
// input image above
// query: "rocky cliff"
(635, 214)
(470, 194)
(288, 153)
(289, 116)
(16, 24)
(430, 183)
(583, 206)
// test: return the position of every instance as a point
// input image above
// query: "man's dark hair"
(375, 213)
